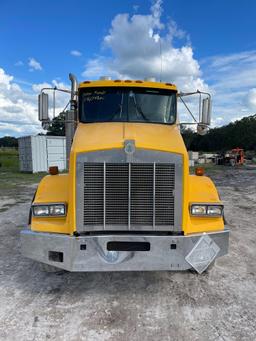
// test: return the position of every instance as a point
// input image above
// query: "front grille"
(128, 195)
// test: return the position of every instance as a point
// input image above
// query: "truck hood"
(102, 136)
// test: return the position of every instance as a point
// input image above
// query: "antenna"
(161, 59)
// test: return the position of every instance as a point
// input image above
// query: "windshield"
(119, 104)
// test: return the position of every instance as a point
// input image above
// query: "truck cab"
(128, 201)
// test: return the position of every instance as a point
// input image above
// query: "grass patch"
(10, 176)
(9, 159)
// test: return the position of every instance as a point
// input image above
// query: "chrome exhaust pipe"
(74, 87)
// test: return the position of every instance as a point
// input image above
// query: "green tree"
(9, 141)
(241, 133)
(57, 126)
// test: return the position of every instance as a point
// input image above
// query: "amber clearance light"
(54, 170)
(199, 171)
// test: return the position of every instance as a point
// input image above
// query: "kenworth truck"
(128, 201)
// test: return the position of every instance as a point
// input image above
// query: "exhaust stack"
(71, 116)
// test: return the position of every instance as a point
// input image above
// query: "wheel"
(49, 268)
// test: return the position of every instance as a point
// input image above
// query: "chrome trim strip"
(154, 196)
(129, 197)
(104, 196)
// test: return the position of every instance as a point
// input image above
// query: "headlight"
(215, 210)
(206, 210)
(40, 210)
(198, 209)
(57, 210)
(52, 210)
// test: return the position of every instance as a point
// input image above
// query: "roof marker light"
(105, 78)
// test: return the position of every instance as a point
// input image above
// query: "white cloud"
(232, 81)
(136, 41)
(61, 98)
(76, 53)
(131, 49)
(251, 99)
(34, 65)
(18, 108)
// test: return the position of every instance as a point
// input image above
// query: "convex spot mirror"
(202, 129)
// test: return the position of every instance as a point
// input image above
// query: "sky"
(205, 45)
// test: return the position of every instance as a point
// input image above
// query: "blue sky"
(206, 45)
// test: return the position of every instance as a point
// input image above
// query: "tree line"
(8, 141)
(241, 133)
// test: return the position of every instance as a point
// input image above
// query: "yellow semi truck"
(128, 202)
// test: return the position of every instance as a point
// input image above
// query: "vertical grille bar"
(154, 196)
(104, 195)
(129, 197)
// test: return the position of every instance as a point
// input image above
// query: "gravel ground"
(133, 306)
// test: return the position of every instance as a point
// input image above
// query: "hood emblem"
(129, 147)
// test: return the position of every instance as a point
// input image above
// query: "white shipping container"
(193, 155)
(208, 155)
(201, 161)
(38, 153)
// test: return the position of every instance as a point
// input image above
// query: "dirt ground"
(220, 305)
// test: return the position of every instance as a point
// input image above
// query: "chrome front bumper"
(105, 252)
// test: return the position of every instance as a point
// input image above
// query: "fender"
(52, 189)
(201, 189)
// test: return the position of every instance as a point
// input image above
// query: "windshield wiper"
(138, 108)
(119, 109)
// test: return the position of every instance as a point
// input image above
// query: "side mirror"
(43, 107)
(206, 111)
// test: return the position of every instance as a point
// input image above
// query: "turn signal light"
(199, 171)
